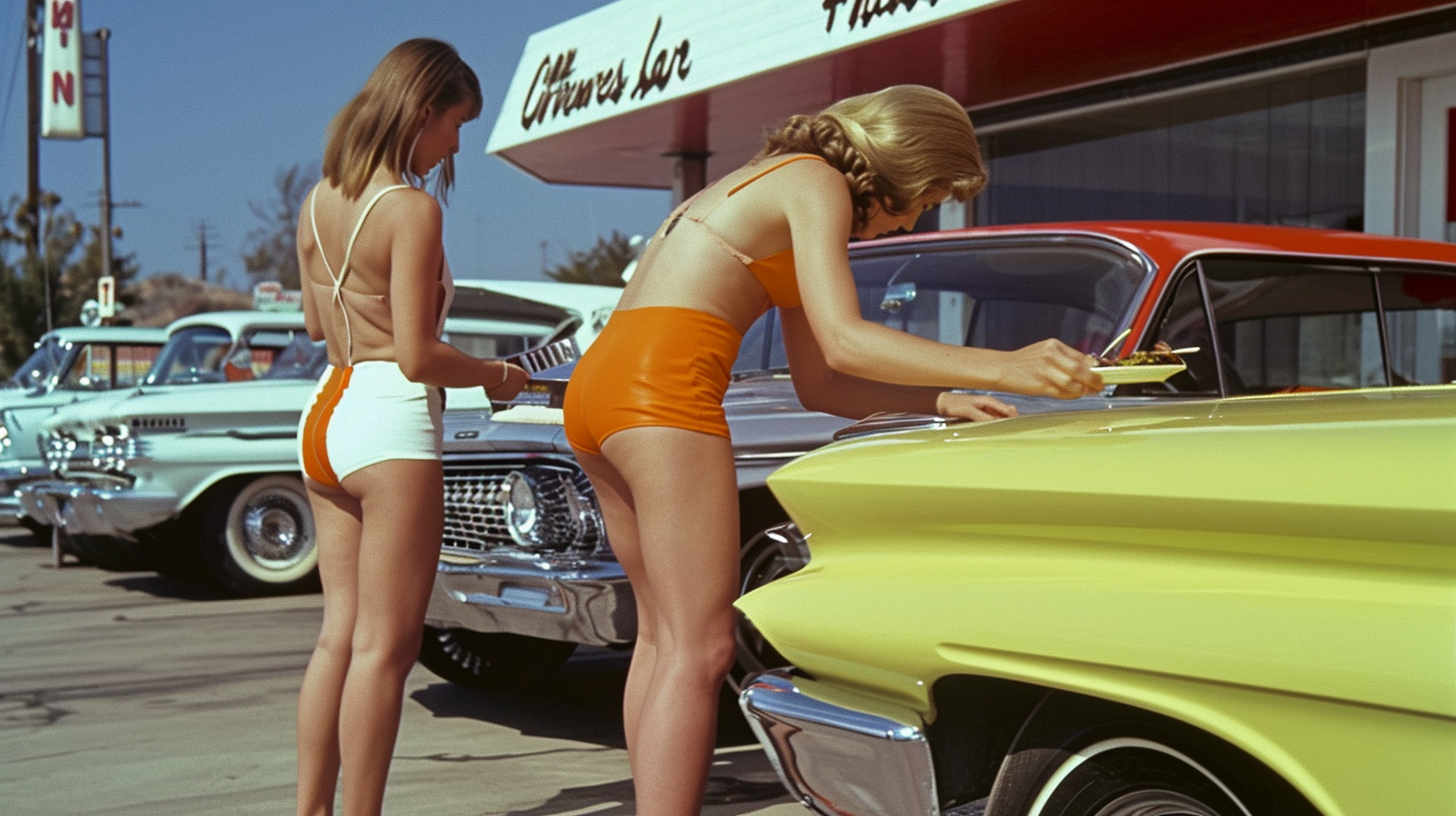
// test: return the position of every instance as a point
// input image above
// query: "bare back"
(689, 267)
(346, 263)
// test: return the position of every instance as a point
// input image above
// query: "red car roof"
(1168, 242)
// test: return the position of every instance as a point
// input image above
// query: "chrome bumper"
(836, 760)
(93, 510)
(12, 476)
(590, 604)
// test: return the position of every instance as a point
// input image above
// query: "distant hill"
(159, 299)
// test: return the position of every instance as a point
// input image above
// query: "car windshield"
(998, 295)
(302, 359)
(39, 366)
(191, 355)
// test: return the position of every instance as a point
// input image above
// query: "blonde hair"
(380, 124)
(893, 147)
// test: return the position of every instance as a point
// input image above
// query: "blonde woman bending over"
(376, 287)
(644, 407)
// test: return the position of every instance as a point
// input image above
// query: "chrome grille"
(475, 506)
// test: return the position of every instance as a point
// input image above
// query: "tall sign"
(63, 93)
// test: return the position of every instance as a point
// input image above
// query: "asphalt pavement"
(126, 693)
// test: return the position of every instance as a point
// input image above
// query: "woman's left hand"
(514, 380)
(975, 407)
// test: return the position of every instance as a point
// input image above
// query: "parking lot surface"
(130, 693)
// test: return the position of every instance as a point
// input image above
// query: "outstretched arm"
(818, 212)
(821, 388)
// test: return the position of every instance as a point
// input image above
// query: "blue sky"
(210, 99)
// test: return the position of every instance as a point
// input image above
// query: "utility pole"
(33, 11)
(102, 36)
(204, 234)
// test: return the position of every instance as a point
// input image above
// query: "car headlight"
(545, 510)
(112, 447)
(59, 446)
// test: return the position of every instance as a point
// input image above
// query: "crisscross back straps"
(338, 280)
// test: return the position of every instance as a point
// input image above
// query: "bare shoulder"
(410, 207)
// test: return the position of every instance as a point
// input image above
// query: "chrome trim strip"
(839, 761)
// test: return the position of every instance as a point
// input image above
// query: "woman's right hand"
(515, 379)
(1049, 368)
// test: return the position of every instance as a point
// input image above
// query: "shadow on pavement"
(726, 788)
(582, 702)
(21, 537)
(161, 586)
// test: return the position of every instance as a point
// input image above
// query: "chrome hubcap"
(272, 532)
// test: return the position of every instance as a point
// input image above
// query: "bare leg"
(336, 518)
(615, 501)
(684, 496)
(403, 510)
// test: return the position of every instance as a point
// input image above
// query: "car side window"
(1420, 323)
(1289, 325)
(131, 363)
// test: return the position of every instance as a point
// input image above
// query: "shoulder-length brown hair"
(893, 146)
(379, 125)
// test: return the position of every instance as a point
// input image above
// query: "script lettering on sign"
(558, 90)
(864, 12)
(664, 65)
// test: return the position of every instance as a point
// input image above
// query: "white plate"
(1118, 375)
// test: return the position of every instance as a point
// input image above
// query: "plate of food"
(1154, 365)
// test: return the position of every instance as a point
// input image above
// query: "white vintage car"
(69, 364)
(203, 482)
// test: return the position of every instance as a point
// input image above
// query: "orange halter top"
(776, 272)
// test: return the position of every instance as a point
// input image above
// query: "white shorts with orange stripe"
(364, 414)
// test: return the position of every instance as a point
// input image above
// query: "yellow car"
(1230, 607)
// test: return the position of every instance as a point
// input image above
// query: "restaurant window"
(1289, 150)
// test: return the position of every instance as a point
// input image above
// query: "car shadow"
(21, 537)
(161, 586)
(582, 701)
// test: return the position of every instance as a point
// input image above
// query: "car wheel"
(487, 659)
(257, 536)
(767, 556)
(1132, 776)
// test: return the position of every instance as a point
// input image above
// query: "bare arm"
(304, 241)
(819, 214)
(821, 388)
(416, 258)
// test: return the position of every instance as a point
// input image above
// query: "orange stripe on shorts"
(315, 430)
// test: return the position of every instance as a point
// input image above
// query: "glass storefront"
(1289, 150)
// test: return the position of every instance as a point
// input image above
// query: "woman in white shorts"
(376, 287)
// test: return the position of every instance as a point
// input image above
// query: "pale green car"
(1237, 607)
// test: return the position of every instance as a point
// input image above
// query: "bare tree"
(272, 251)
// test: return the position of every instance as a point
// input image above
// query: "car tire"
(1131, 776)
(767, 556)
(257, 536)
(490, 659)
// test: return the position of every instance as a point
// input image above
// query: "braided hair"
(893, 146)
